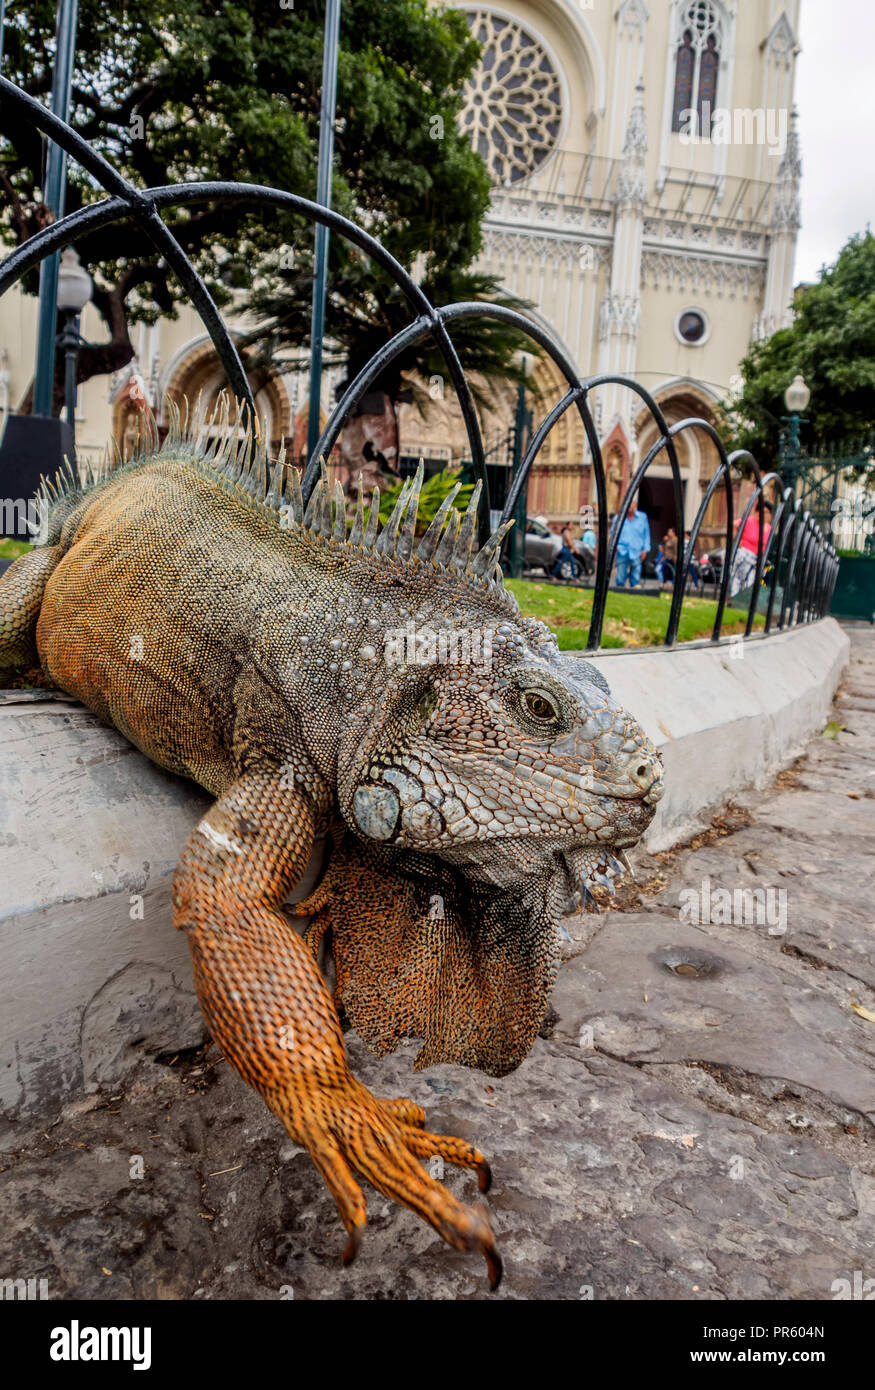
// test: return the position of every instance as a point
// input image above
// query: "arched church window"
(683, 80)
(707, 95)
(697, 67)
(512, 109)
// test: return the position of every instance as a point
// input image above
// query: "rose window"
(512, 109)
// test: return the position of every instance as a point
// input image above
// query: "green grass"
(10, 550)
(631, 620)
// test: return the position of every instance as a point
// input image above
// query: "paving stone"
(734, 1010)
(830, 899)
(822, 816)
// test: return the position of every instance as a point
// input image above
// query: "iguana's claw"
(404, 1112)
(382, 1140)
(495, 1268)
(351, 1249)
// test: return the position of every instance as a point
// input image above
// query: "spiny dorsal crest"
(236, 456)
(241, 462)
(447, 544)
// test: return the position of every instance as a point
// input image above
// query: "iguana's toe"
(404, 1112)
(452, 1150)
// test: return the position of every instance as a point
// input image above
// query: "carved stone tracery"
(513, 102)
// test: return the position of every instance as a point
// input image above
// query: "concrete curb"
(726, 717)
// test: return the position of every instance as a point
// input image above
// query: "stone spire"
(785, 212)
(632, 180)
(777, 310)
(620, 309)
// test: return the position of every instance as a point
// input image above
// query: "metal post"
(323, 196)
(56, 168)
(69, 342)
(791, 450)
(516, 541)
(794, 436)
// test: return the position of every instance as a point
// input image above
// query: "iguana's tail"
(21, 594)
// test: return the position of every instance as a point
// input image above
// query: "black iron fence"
(800, 563)
(836, 484)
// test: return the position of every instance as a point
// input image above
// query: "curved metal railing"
(795, 549)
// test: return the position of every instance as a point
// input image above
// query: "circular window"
(512, 107)
(692, 327)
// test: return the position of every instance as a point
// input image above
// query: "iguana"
(309, 676)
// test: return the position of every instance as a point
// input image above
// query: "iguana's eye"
(539, 706)
(427, 706)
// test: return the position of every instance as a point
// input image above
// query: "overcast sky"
(835, 95)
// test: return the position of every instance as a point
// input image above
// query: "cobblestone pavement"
(695, 1123)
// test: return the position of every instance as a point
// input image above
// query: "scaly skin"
(264, 653)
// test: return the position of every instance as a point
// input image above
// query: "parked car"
(542, 546)
(542, 550)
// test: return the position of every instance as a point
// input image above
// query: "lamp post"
(55, 187)
(796, 398)
(516, 541)
(330, 46)
(74, 292)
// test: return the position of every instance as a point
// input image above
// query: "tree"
(832, 343)
(200, 90)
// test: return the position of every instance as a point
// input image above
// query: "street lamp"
(796, 398)
(74, 292)
(797, 395)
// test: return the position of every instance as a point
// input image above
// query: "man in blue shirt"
(634, 546)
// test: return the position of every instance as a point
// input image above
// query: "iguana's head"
(513, 765)
(465, 733)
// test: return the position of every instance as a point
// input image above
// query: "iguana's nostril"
(646, 773)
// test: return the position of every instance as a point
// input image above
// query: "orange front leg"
(270, 1013)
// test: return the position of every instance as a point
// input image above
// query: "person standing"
(633, 547)
(693, 571)
(568, 563)
(670, 551)
(588, 548)
(744, 566)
